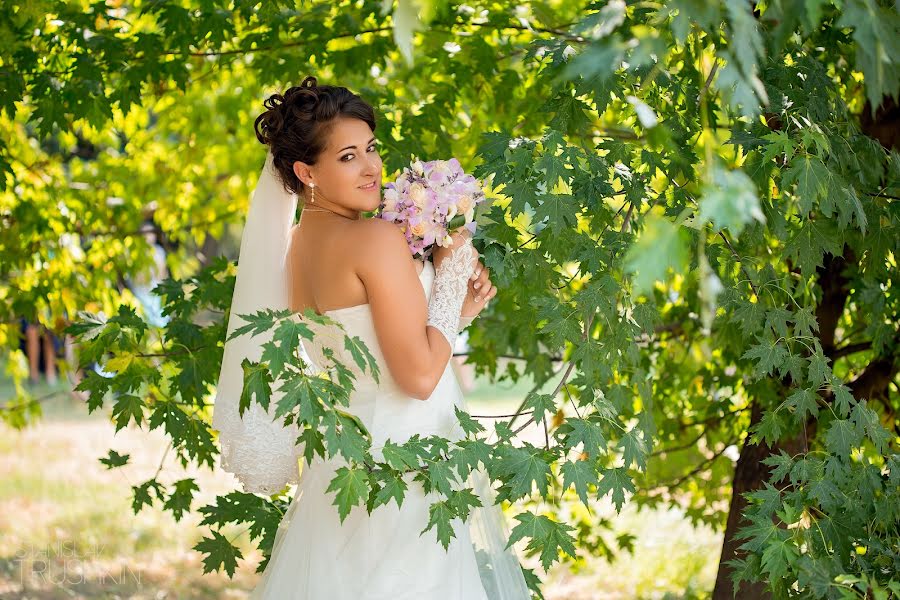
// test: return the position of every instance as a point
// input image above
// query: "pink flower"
(425, 197)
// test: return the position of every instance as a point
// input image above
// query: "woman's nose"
(372, 165)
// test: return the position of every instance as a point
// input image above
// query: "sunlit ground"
(67, 529)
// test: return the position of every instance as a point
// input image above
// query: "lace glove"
(451, 282)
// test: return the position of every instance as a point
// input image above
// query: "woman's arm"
(415, 352)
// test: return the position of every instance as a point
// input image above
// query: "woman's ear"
(303, 172)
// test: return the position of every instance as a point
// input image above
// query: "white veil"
(259, 449)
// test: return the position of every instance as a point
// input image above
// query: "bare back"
(335, 264)
(323, 259)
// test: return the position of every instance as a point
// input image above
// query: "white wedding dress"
(382, 556)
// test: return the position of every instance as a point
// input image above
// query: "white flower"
(417, 194)
(466, 206)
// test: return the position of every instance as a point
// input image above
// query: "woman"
(360, 273)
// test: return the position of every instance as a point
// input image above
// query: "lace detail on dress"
(449, 290)
(261, 453)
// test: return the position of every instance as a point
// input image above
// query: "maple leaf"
(618, 482)
(547, 536)
(351, 487)
(220, 553)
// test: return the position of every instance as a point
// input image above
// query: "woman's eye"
(372, 147)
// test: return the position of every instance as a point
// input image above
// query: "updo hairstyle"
(298, 122)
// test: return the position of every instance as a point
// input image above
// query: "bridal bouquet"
(429, 200)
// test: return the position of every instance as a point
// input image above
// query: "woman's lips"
(369, 188)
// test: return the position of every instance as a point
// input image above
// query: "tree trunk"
(749, 475)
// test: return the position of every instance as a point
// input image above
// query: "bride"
(361, 274)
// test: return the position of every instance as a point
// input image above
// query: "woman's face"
(349, 161)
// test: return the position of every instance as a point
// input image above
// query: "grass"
(67, 529)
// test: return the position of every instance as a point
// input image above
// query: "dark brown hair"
(297, 123)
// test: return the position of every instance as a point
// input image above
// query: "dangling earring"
(312, 188)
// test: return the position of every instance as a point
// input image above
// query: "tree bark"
(749, 475)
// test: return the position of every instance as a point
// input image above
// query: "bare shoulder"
(382, 244)
(382, 239)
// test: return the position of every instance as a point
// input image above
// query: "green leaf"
(406, 22)
(547, 536)
(875, 34)
(220, 554)
(469, 425)
(804, 402)
(400, 457)
(463, 501)
(770, 427)
(777, 319)
(141, 494)
(126, 408)
(362, 356)
(867, 421)
(778, 557)
(579, 473)
(633, 449)
(559, 209)
(540, 404)
(439, 516)
(842, 437)
(843, 399)
(812, 240)
(730, 201)
(312, 444)
(114, 459)
(576, 431)
(393, 487)
(805, 322)
(526, 466)
(811, 178)
(618, 482)
(769, 354)
(819, 371)
(660, 247)
(179, 501)
(257, 383)
(351, 487)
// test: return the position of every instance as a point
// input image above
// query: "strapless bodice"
(383, 407)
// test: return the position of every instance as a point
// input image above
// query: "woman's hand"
(459, 237)
(480, 292)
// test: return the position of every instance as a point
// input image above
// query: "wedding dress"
(378, 556)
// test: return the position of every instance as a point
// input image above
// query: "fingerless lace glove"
(451, 280)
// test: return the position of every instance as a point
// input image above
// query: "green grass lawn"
(67, 529)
